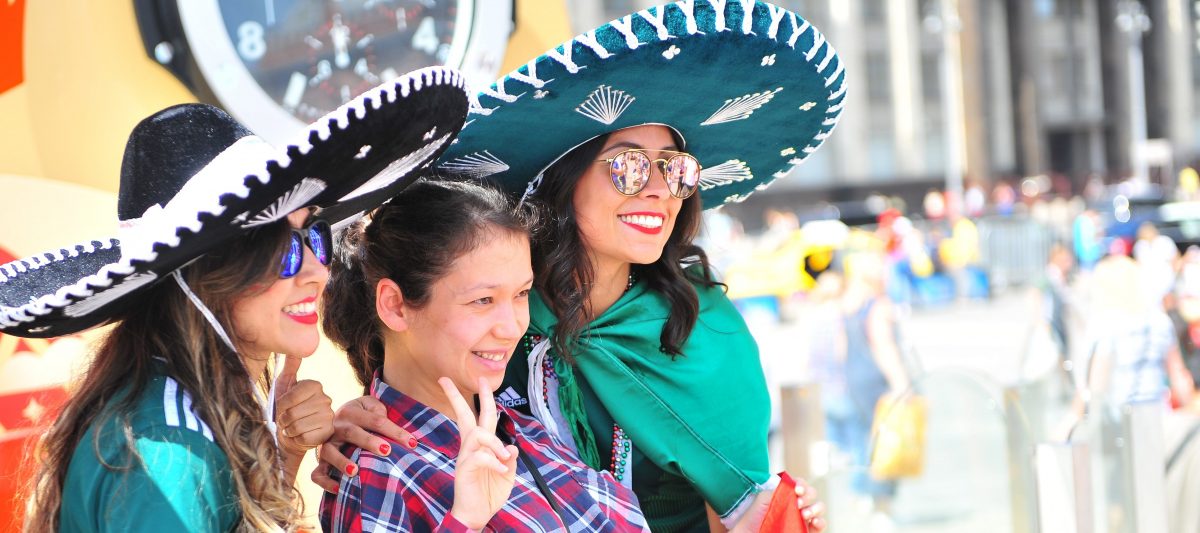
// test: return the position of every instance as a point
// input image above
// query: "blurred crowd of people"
(1118, 304)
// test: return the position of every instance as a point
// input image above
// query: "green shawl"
(704, 415)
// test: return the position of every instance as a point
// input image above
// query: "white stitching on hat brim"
(389, 92)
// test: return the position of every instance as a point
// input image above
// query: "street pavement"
(970, 352)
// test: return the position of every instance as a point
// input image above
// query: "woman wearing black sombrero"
(625, 134)
(177, 425)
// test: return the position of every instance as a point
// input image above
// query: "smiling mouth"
(490, 356)
(642, 221)
(304, 308)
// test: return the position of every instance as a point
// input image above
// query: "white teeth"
(301, 309)
(645, 221)
(490, 356)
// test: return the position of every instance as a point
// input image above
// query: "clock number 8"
(251, 45)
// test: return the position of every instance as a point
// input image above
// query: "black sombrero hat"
(192, 178)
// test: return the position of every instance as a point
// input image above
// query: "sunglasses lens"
(321, 239)
(683, 175)
(630, 170)
(293, 258)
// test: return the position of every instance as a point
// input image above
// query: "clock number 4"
(251, 45)
(425, 38)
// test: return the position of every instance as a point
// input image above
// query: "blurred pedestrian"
(1134, 360)
(826, 337)
(873, 368)
(1156, 254)
(1058, 304)
(1087, 234)
(1187, 310)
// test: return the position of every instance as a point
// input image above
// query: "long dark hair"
(562, 270)
(164, 324)
(412, 240)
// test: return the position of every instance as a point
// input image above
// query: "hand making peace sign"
(485, 469)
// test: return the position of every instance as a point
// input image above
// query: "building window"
(879, 87)
(1045, 8)
(872, 11)
(931, 76)
(1068, 9)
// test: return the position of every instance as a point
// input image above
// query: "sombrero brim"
(349, 161)
(753, 89)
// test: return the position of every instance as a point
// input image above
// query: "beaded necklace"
(621, 445)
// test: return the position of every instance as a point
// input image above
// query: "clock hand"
(340, 35)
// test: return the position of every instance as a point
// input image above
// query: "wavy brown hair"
(562, 269)
(163, 323)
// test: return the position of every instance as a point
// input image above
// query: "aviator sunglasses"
(630, 172)
(319, 238)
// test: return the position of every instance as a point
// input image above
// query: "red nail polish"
(412, 443)
(351, 469)
(385, 449)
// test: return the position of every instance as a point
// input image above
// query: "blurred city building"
(1036, 87)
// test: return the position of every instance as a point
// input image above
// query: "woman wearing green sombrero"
(634, 355)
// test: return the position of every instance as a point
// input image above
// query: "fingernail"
(412, 443)
(351, 469)
(385, 449)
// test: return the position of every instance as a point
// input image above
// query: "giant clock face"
(279, 64)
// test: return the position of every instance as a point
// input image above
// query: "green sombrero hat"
(751, 87)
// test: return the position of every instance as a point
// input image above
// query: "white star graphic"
(34, 411)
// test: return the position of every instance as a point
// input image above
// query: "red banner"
(23, 418)
(12, 40)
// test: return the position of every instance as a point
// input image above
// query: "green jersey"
(181, 483)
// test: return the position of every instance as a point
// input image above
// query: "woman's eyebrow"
(629, 144)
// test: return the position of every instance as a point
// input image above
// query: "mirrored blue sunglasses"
(319, 238)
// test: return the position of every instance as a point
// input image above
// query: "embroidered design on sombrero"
(671, 52)
(126, 286)
(740, 108)
(731, 171)
(787, 151)
(605, 105)
(736, 198)
(396, 169)
(298, 197)
(808, 106)
(477, 165)
(768, 61)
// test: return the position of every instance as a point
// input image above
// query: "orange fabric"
(12, 37)
(782, 515)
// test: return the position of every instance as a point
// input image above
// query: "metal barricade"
(1013, 250)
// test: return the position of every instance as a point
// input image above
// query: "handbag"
(898, 435)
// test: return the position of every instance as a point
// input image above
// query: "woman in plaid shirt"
(446, 269)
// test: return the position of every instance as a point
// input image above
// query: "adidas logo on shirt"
(510, 398)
